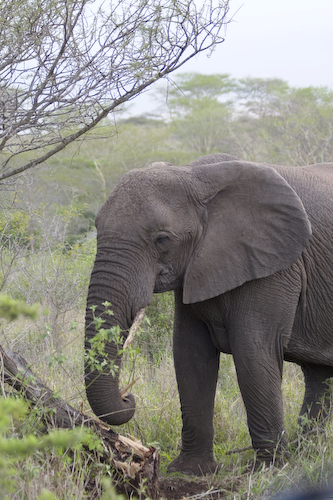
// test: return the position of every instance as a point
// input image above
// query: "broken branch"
(134, 328)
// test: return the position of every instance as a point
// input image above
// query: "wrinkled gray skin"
(247, 248)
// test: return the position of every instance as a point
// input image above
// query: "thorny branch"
(66, 65)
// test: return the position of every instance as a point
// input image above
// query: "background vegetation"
(47, 250)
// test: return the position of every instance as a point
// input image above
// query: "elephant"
(247, 249)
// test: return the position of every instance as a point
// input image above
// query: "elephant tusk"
(131, 336)
(134, 328)
(125, 391)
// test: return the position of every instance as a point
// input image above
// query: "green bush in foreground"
(26, 455)
(12, 450)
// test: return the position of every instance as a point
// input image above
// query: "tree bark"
(136, 464)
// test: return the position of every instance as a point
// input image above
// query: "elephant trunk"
(102, 385)
(103, 361)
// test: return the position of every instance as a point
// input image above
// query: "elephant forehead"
(147, 198)
(153, 179)
(150, 188)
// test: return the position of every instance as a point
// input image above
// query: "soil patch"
(178, 488)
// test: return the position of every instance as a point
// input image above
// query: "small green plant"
(96, 357)
(13, 450)
(97, 351)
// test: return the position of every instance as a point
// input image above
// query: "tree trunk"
(136, 464)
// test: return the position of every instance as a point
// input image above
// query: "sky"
(287, 39)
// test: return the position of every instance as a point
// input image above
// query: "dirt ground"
(178, 488)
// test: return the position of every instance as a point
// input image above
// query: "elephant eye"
(161, 240)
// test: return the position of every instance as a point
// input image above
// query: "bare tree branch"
(66, 65)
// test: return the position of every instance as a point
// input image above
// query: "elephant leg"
(316, 397)
(260, 386)
(196, 364)
(258, 335)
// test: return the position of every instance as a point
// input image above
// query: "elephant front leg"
(196, 364)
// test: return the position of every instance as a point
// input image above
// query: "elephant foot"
(273, 457)
(193, 466)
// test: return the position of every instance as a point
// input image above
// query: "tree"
(194, 90)
(276, 123)
(199, 116)
(254, 124)
(306, 121)
(67, 64)
(260, 96)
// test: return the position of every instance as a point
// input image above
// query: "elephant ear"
(254, 225)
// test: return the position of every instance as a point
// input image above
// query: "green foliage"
(10, 309)
(15, 227)
(14, 450)
(200, 113)
(55, 260)
(194, 90)
(283, 124)
(109, 492)
(97, 357)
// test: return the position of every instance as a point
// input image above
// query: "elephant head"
(205, 228)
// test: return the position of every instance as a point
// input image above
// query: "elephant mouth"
(166, 281)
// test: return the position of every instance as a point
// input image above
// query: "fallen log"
(136, 464)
